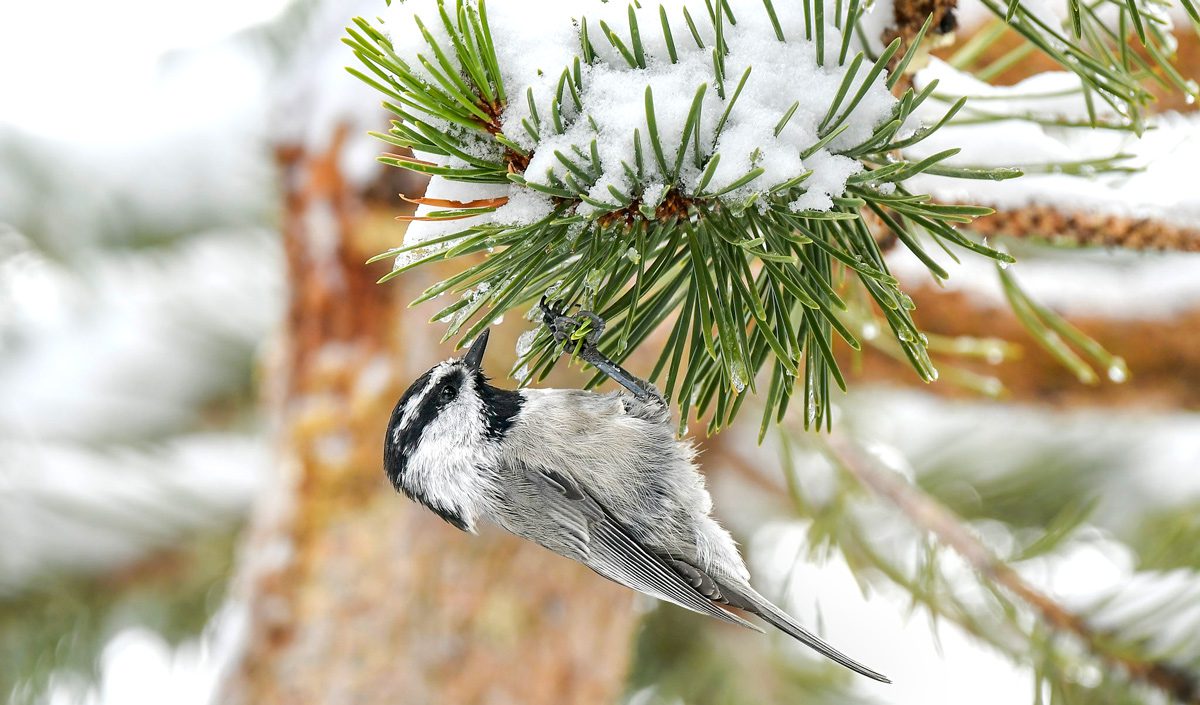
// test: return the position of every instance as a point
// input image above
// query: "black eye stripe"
(445, 391)
(427, 409)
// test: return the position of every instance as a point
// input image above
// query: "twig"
(1091, 229)
(1072, 228)
(929, 515)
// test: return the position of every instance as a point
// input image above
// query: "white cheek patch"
(452, 475)
(448, 464)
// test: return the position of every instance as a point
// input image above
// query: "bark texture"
(1090, 229)
(354, 595)
(909, 16)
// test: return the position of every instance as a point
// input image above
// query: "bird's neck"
(500, 409)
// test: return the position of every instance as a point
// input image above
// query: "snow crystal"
(525, 342)
(524, 346)
(782, 77)
(1048, 13)
(877, 18)
(830, 172)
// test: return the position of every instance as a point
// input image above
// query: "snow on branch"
(1084, 183)
(715, 158)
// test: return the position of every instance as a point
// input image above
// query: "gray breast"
(626, 454)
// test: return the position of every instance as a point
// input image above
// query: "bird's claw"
(563, 326)
(564, 329)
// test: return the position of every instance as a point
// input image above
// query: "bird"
(600, 478)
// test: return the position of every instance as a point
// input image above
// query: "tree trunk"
(355, 595)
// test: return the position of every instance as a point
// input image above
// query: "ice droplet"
(994, 355)
(738, 378)
(525, 342)
(1117, 371)
(1004, 264)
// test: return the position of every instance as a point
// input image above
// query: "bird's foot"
(579, 334)
(570, 331)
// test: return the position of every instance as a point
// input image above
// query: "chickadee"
(599, 478)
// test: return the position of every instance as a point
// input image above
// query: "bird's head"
(444, 429)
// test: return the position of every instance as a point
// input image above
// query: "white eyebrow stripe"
(410, 409)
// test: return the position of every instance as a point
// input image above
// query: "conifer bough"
(714, 159)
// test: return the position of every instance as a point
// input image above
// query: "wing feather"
(611, 550)
(621, 557)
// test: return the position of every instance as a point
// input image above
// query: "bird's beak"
(474, 356)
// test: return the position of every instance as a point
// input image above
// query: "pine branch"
(758, 268)
(1162, 353)
(930, 516)
(1073, 348)
(1116, 47)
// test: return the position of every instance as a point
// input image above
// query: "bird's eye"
(449, 392)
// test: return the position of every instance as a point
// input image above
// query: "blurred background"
(196, 369)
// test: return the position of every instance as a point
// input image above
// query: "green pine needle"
(742, 288)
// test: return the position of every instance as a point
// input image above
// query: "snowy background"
(140, 279)
(141, 283)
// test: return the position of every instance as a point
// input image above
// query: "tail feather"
(761, 606)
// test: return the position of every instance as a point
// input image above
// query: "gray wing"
(562, 515)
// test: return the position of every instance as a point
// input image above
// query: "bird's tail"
(761, 606)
